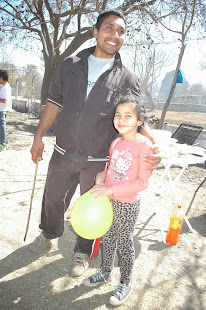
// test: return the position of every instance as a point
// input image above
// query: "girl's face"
(126, 121)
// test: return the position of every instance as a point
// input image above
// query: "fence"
(33, 109)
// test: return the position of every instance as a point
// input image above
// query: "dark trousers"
(62, 179)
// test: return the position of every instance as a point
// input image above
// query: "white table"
(180, 155)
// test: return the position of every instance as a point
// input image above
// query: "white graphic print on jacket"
(120, 164)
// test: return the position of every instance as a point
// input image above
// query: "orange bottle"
(175, 226)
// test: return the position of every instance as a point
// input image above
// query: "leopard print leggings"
(120, 238)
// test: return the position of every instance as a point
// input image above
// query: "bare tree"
(197, 90)
(59, 27)
(148, 63)
(167, 15)
(187, 11)
(32, 82)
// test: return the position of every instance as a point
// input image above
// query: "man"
(5, 106)
(82, 94)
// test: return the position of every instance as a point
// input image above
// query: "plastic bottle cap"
(179, 207)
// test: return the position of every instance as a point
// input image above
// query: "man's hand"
(37, 149)
(48, 116)
(153, 159)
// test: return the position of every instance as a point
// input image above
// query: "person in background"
(5, 106)
(122, 180)
(81, 101)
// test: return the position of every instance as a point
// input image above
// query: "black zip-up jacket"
(84, 126)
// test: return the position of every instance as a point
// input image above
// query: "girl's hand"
(101, 190)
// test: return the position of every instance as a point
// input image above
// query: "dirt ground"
(165, 277)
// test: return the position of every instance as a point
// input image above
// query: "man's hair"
(4, 75)
(106, 14)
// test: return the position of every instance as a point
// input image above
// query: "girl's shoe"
(99, 278)
(121, 294)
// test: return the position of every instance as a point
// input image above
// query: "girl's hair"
(136, 104)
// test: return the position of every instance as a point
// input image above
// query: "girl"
(122, 180)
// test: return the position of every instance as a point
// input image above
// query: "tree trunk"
(150, 99)
(53, 60)
(48, 73)
(164, 111)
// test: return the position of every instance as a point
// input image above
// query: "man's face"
(110, 37)
(1, 81)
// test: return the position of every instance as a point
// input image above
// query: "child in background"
(122, 180)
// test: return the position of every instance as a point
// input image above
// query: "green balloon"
(91, 217)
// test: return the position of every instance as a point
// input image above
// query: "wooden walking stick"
(32, 195)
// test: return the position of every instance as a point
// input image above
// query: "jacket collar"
(88, 51)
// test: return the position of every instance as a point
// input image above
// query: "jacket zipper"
(77, 128)
(81, 110)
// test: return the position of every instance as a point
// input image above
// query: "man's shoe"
(121, 294)
(99, 278)
(2, 148)
(40, 244)
(80, 263)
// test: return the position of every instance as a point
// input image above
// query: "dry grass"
(176, 118)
